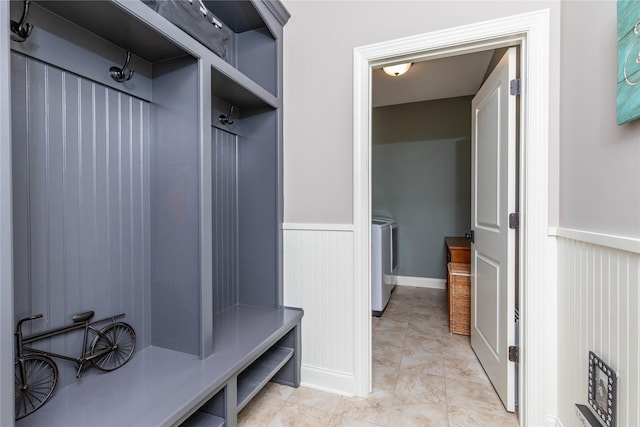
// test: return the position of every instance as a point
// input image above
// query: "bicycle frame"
(84, 357)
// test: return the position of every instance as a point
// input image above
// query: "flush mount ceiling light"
(397, 70)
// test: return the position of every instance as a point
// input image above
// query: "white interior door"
(493, 187)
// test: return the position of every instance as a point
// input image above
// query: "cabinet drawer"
(461, 257)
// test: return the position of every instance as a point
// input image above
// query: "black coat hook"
(228, 119)
(21, 30)
(121, 74)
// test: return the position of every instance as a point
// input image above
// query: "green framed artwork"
(628, 101)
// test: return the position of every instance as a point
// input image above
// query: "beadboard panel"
(81, 203)
(225, 219)
(598, 303)
(318, 276)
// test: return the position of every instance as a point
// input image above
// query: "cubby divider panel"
(175, 207)
(259, 215)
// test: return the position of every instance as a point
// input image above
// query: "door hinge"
(513, 353)
(514, 87)
(514, 221)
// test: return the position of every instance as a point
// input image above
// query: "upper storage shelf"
(142, 41)
(240, 16)
(257, 33)
(248, 74)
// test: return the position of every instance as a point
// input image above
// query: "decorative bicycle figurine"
(36, 374)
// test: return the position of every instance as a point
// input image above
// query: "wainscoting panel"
(318, 276)
(598, 304)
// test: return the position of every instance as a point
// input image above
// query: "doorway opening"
(536, 270)
(421, 177)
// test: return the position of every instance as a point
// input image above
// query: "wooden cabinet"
(459, 284)
(458, 250)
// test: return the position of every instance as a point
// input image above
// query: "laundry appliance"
(384, 262)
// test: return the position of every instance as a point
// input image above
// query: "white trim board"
(422, 282)
(622, 243)
(316, 227)
(537, 266)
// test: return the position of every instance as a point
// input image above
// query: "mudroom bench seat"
(161, 387)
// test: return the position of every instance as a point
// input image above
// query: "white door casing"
(537, 264)
(493, 197)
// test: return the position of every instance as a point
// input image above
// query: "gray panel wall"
(225, 219)
(81, 204)
(421, 175)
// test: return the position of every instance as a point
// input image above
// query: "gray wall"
(318, 88)
(421, 173)
(599, 161)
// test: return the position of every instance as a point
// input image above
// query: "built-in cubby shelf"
(202, 419)
(252, 379)
(159, 215)
(239, 90)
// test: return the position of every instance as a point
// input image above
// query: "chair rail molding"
(538, 278)
(317, 227)
(629, 244)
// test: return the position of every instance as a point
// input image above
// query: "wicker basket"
(459, 298)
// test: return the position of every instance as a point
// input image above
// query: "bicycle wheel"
(113, 347)
(35, 378)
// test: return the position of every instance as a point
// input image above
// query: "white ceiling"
(434, 79)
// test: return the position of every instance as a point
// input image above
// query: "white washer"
(384, 262)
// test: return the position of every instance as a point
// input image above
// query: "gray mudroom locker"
(158, 196)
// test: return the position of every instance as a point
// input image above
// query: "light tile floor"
(422, 376)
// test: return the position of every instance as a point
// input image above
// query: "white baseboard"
(554, 421)
(327, 380)
(422, 282)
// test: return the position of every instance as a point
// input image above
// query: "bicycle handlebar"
(32, 317)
